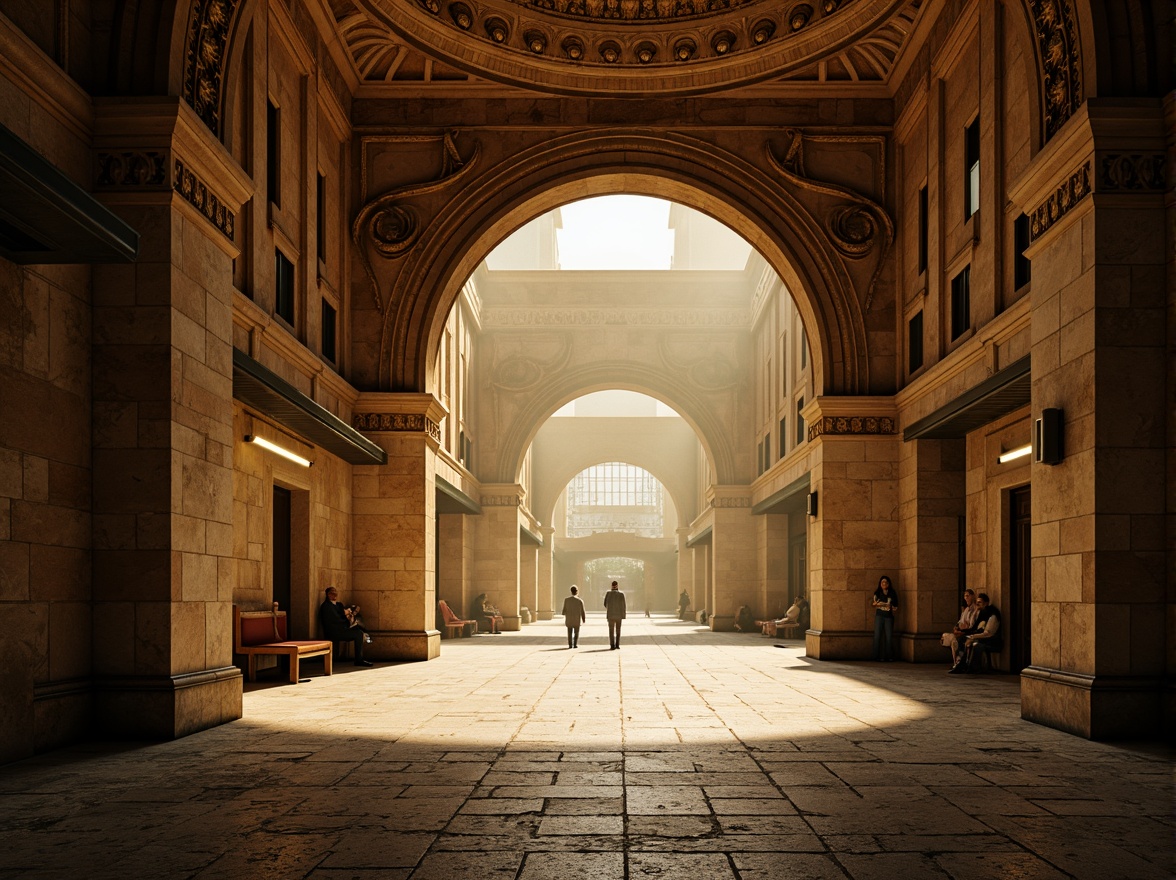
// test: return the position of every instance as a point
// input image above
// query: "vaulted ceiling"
(624, 47)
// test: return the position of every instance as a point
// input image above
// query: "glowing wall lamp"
(1012, 454)
(278, 450)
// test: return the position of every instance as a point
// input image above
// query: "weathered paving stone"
(693, 754)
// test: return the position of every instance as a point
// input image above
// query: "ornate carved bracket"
(391, 227)
(209, 28)
(851, 425)
(1059, 58)
(858, 227)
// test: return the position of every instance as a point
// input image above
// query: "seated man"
(744, 619)
(984, 636)
(955, 638)
(341, 624)
(489, 617)
(796, 615)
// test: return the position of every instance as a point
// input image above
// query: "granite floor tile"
(690, 754)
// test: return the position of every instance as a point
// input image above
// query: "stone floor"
(686, 754)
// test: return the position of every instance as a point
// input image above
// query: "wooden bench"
(453, 623)
(264, 632)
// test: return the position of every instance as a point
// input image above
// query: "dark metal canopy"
(47, 218)
(451, 499)
(790, 499)
(272, 396)
(996, 396)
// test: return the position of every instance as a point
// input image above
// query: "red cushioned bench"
(264, 632)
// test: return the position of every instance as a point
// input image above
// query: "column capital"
(728, 496)
(502, 495)
(850, 415)
(156, 151)
(386, 412)
(1108, 147)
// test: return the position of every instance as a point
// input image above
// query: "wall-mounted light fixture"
(812, 503)
(1012, 454)
(1047, 437)
(278, 450)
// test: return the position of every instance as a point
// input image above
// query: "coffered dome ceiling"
(624, 47)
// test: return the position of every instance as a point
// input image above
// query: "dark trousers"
(614, 633)
(353, 635)
(883, 637)
(573, 636)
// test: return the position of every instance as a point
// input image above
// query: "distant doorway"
(797, 567)
(1019, 612)
(281, 547)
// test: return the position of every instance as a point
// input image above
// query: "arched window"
(615, 497)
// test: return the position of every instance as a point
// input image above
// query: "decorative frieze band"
(851, 425)
(1069, 193)
(375, 422)
(1137, 172)
(500, 501)
(731, 502)
(194, 190)
(133, 168)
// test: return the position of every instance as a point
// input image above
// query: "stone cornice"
(526, 316)
(851, 415)
(728, 497)
(399, 413)
(23, 62)
(502, 495)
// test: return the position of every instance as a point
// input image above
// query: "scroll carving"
(851, 425)
(204, 58)
(134, 168)
(1060, 57)
(1134, 173)
(391, 227)
(499, 500)
(857, 228)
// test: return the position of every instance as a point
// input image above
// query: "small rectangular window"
(283, 287)
(972, 168)
(915, 342)
(1021, 263)
(768, 451)
(273, 154)
(330, 320)
(923, 231)
(961, 307)
(759, 458)
(320, 218)
(799, 421)
(783, 435)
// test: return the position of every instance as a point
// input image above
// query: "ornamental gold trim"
(1067, 194)
(373, 422)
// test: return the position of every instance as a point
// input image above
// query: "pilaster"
(163, 426)
(733, 554)
(496, 567)
(393, 522)
(853, 538)
(529, 578)
(1101, 573)
(546, 600)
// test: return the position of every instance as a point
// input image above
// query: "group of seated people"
(797, 616)
(976, 632)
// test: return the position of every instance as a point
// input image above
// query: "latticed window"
(615, 497)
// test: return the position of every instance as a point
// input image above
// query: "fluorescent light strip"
(278, 450)
(1019, 452)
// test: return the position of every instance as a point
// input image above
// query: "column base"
(838, 644)
(511, 623)
(404, 645)
(721, 622)
(545, 615)
(1093, 706)
(167, 707)
(922, 648)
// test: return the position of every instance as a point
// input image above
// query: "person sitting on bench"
(341, 624)
(984, 636)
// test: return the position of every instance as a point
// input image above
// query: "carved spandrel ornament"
(851, 425)
(209, 28)
(1059, 58)
(389, 225)
(858, 227)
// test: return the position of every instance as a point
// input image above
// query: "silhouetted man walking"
(614, 607)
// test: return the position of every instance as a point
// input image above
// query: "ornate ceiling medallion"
(595, 46)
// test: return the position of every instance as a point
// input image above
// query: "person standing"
(574, 614)
(614, 607)
(683, 604)
(885, 604)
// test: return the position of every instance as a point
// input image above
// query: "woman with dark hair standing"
(885, 604)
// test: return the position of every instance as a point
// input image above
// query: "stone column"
(393, 520)
(685, 575)
(496, 565)
(771, 532)
(931, 503)
(853, 539)
(453, 568)
(546, 601)
(529, 577)
(734, 560)
(1102, 608)
(163, 427)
